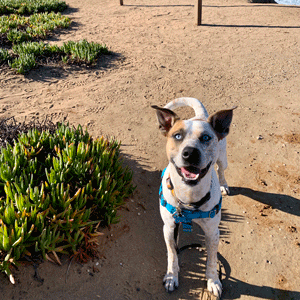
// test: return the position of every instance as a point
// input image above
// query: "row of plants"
(27, 7)
(55, 189)
(17, 29)
(26, 56)
(20, 45)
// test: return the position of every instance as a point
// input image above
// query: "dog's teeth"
(191, 177)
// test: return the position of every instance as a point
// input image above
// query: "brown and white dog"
(190, 183)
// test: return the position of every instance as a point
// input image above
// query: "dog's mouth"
(191, 173)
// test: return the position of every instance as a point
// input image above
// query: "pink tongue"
(188, 174)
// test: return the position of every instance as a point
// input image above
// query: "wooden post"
(121, 2)
(198, 12)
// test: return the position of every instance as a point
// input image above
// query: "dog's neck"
(191, 193)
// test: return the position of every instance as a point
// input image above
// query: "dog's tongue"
(189, 174)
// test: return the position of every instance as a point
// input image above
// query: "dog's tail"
(194, 103)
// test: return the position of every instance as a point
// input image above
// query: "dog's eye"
(178, 136)
(205, 138)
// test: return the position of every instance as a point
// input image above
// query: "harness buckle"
(211, 214)
(178, 211)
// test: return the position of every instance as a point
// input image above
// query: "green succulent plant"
(27, 55)
(4, 55)
(83, 51)
(55, 188)
(26, 7)
(25, 22)
(18, 29)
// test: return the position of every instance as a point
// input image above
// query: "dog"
(190, 188)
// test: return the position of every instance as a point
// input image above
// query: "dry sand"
(245, 55)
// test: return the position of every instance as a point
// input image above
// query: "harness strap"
(185, 216)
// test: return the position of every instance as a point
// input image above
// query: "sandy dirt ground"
(244, 54)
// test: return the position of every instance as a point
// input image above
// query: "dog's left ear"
(166, 119)
(220, 122)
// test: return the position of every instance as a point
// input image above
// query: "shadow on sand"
(59, 70)
(234, 288)
(251, 26)
(285, 203)
(192, 254)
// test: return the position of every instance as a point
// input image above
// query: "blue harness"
(185, 216)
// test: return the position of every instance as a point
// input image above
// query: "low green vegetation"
(4, 55)
(83, 51)
(26, 56)
(27, 7)
(55, 189)
(20, 35)
(18, 29)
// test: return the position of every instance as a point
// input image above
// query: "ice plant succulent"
(18, 29)
(27, 7)
(55, 188)
(26, 56)
(24, 23)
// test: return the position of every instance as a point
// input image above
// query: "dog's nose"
(191, 155)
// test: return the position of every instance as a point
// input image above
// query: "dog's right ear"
(166, 119)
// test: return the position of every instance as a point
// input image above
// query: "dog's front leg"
(213, 282)
(171, 277)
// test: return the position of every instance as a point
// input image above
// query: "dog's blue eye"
(205, 138)
(178, 136)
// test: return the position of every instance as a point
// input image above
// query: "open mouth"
(192, 173)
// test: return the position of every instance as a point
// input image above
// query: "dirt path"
(245, 55)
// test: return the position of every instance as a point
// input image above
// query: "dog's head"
(193, 145)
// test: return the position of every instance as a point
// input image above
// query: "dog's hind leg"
(222, 166)
(171, 278)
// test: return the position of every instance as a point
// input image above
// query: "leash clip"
(178, 212)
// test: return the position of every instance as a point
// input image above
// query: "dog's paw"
(214, 287)
(170, 282)
(225, 190)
